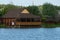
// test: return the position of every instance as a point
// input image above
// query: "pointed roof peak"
(25, 11)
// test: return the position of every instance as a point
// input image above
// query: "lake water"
(30, 34)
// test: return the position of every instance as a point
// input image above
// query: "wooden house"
(19, 17)
(49, 19)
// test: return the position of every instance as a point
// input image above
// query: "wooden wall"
(8, 21)
(0, 20)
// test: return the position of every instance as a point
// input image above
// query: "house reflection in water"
(20, 17)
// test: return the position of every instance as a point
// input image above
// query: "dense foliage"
(46, 9)
(49, 10)
(34, 10)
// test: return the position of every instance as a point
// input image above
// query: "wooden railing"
(28, 23)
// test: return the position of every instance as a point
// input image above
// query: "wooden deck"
(28, 23)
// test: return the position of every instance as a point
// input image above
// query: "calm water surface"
(30, 34)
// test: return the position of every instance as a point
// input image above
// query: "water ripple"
(30, 34)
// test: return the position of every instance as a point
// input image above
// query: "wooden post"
(19, 25)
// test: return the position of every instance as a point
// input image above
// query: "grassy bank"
(50, 25)
(2, 26)
(44, 25)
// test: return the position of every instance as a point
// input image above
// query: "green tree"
(49, 10)
(0, 13)
(57, 7)
(1, 8)
(34, 10)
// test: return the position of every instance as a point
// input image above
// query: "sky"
(30, 2)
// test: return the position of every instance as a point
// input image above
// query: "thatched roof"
(16, 13)
(12, 13)
(27, 16)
